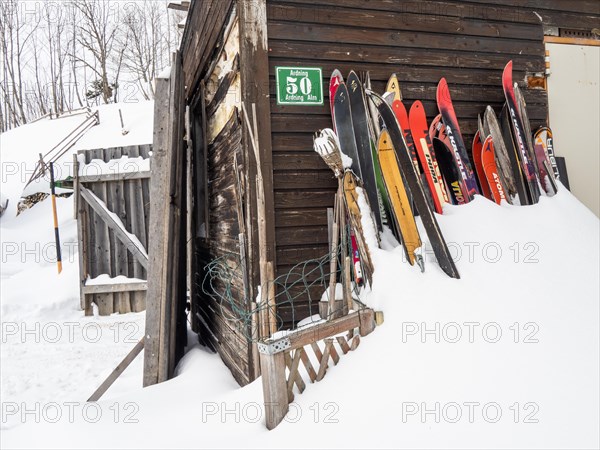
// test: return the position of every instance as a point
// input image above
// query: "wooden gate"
(112, 206)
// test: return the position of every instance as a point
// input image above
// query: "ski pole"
(56, 234)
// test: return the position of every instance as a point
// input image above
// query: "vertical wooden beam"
(275, 390)
(157, 271)
(165, 320)
(254, 74)
(82, 229)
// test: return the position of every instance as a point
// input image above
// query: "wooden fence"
(112, 206)
(280, 359)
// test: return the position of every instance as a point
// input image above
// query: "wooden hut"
(227, 70)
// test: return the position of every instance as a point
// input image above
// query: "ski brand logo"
(552, 157)
(450, 135)
(458, 192)
(429, 159)
(499, 185)
(521, 144)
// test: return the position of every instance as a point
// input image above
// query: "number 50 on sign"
(299, 85)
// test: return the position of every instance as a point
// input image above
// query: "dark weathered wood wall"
(129, 198)
(468, 42)
(218, 322)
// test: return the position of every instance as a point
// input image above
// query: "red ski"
(449, 118)
(420, 134)
(334, 83)
(518, 132)
(490, 168)
(477, 153)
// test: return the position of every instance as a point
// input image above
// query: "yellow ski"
(397, 193)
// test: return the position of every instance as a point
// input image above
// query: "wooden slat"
(343, 344)
(333, 352)
(308, 365)
(450, 9)
(397, 17)
(108, 177)
(317, 350)
(324, 362)
(326, 330)
(355, 342)
(113, 288)
(117, 227)
(117, 372)
(398, 57)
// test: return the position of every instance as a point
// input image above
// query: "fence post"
(274, 388)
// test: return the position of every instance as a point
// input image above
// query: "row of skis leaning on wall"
(392, 164)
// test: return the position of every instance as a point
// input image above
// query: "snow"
(50, 352)
(105, 279)
(122, 165)
(517, 334)
(20, 147)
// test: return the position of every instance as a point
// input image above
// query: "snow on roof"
(20, 148)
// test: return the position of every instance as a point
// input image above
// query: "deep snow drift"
(505, 357)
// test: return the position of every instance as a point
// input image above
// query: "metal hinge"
(272, 348)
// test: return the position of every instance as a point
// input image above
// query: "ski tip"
(443, 92)
(416, 108)
(336, 77)
(507, 76)
(393, 86)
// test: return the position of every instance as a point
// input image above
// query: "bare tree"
(14, 37)
(150, 40)
(98, 33)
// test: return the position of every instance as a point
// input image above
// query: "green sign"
(299, 86)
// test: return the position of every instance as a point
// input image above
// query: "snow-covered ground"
(506, 357)
(20, 148)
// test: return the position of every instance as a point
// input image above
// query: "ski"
(544, 136)
(403, 214)
(375, 130)
(490, 168)
(511, 179)
(522, 108)
(513, 154)
(350, 186)
(449, 167)
(518, 131)
(477, 161)
(334, 83)
(342, 119)
(362, 134)
(420, 133)
(402, 118)
(545, 168)
(416, 187)
(450, 172)
(444, 101)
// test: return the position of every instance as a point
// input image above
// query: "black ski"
(450, 172)
(415, 185)
(519, 135)
(511, 149)
(342, 115)
(362, 135)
